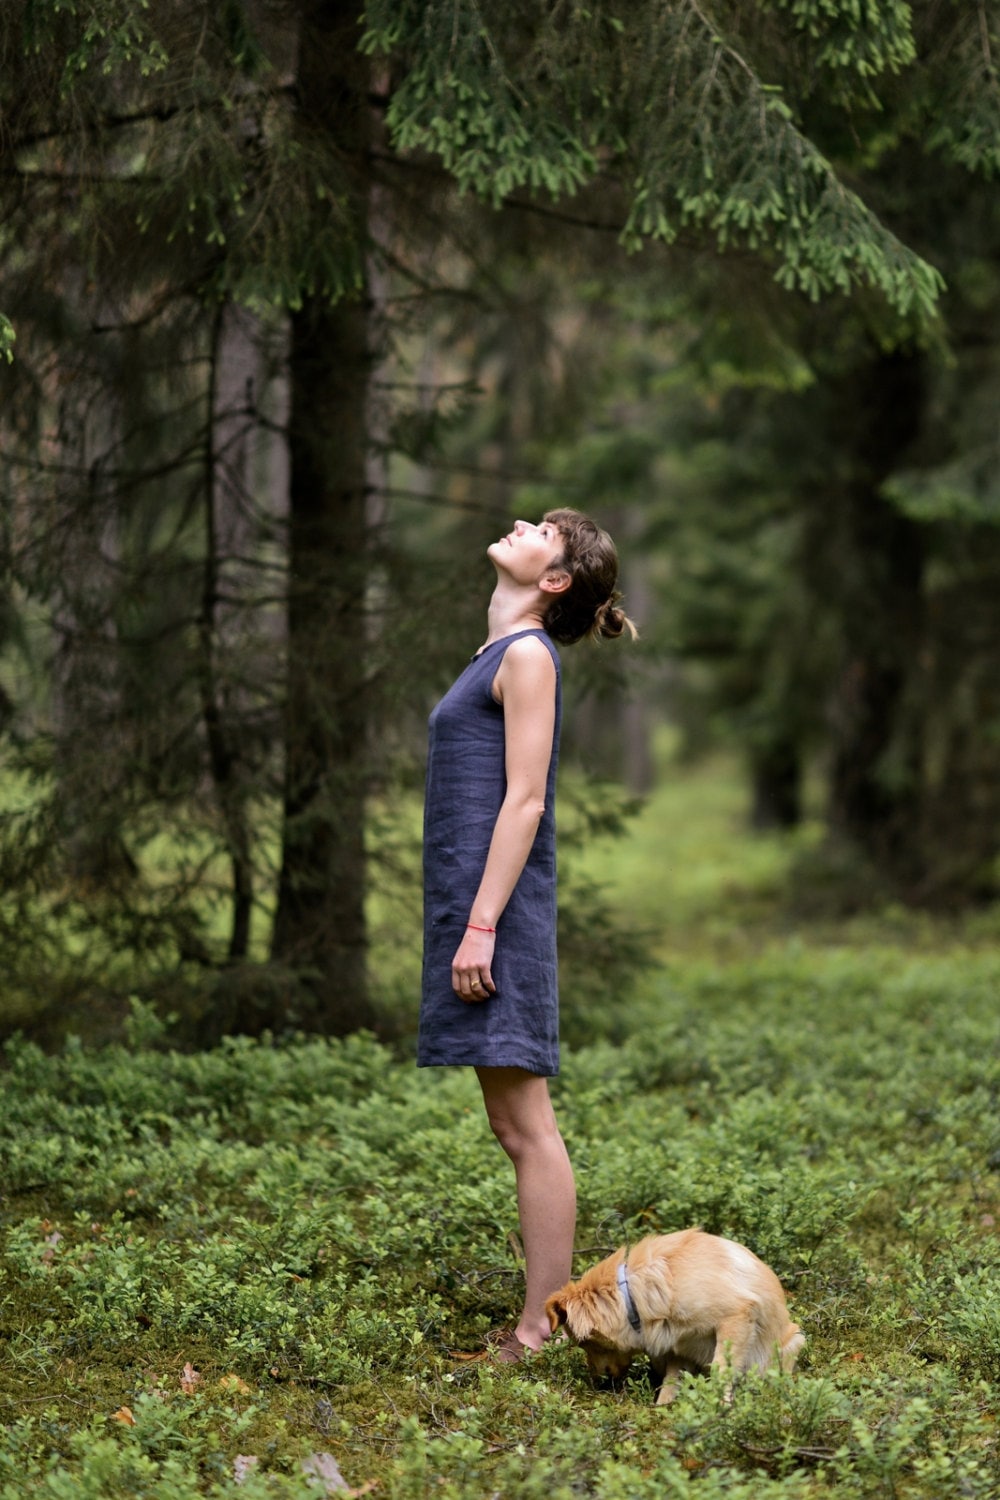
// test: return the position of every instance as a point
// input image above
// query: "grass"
(220, 1266)
(689, 869)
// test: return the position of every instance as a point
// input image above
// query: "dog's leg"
(734, 1344)
(668, 1377)
(789, 1351)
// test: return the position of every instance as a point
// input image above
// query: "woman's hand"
(470, 968)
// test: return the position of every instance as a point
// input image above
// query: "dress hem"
(539, 1069)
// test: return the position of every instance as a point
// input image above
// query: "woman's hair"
(590, 606)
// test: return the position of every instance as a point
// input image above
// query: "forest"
(301, 304)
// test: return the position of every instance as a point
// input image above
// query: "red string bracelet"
(476, 927)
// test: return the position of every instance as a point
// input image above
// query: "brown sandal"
(504, 1346)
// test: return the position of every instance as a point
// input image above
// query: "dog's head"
(591, 1312)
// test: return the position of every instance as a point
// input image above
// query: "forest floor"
(255, 1271)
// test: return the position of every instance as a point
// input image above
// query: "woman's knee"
(519, 1110)
(520, 1135)
(506, 1133)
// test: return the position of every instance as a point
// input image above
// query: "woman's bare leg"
(522, 1119)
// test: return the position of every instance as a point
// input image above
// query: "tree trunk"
(222, 743)
(877, 558)
(776, 770)
(319, 929)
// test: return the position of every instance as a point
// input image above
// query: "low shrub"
(217, 1267)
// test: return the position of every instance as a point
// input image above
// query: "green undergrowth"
(218, 1266)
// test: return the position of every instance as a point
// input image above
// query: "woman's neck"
(511, 611)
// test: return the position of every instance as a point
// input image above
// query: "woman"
(490, 997)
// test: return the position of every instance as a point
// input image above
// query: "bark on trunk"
(777, 785)
(223, 751)
(319, 926)
(877, 553)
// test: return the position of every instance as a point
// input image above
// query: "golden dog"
(688, 1300)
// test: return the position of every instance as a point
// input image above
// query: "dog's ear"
(567, 1309)
(555, 1310)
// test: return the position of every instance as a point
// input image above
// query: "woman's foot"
(505, 1348)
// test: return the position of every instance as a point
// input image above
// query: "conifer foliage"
(203, 231)
(668, 99)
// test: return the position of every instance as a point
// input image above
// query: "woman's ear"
(556, 581)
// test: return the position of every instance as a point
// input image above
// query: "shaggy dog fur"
(701, 1300)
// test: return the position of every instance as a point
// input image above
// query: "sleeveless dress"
(466, 783)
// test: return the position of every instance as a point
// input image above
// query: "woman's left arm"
(526, 686)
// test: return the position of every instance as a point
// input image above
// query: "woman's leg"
(523, 1121)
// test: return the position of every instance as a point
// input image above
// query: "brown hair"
(590, 606)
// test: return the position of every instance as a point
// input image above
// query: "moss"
(327, 1230)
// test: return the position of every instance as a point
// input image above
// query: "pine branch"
(704, 146)
(965, 102)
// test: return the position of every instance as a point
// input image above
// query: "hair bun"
(611, 621)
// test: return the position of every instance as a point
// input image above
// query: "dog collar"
(631, 1311)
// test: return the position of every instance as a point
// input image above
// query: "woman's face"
(528, 552)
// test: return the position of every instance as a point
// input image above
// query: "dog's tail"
(791, 1346)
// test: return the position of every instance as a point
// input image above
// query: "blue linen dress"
(466, 783)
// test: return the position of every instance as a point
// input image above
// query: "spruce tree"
(870, 457)
(164, 166)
